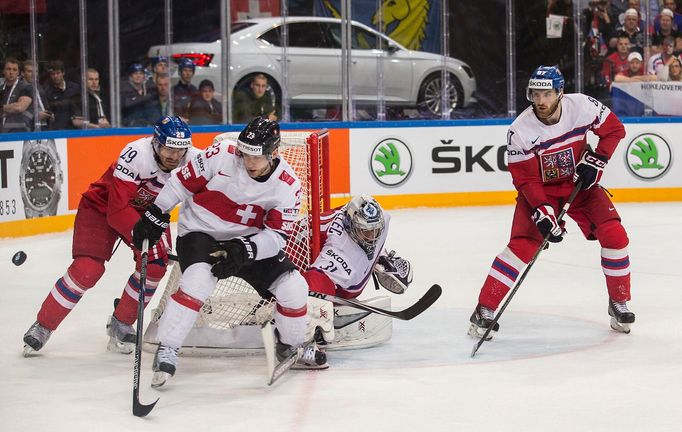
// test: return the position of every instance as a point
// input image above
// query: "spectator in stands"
(44, 116)
(677, 17)
(159, 67)
(184, 91)
(204, 108)
(255, 101)
(598, 29)
(635, 70)
(672, 71)
(631, 28)
(16, 100)
(97, 108)
(136, 95)
(658, 61)
(665, 28)
(636, 5)
(62, 97)
(160, 105)
(618, 61)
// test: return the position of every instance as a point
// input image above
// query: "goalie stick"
(139, 409)
(542, 246)
(407, 314)
(420, 306)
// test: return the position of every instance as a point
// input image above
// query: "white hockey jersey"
(219, 198)
(542, 157)
(341, 259)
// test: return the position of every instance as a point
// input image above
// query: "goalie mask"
(365, 222)
(260, 137)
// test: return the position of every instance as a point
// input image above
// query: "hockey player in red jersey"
(352, 239)
(240, 201)
(107, 212)
(548, 155)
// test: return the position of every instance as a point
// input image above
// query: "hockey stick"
(542, 246)
(276, 370)
(139, 409)
(420, 306)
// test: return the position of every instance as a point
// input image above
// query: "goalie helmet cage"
(231, 317)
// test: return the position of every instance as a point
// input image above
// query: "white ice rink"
(554, 366)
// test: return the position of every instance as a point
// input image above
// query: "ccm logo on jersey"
(125, 171)
(339, 260)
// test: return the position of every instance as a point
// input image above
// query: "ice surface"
(555, 365)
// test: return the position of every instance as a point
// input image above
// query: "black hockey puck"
(19, 258)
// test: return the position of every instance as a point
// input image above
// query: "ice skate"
(309, 356)
(165, 361)
(621, 317)
(35, 338)
(480, 322)
(122, 336)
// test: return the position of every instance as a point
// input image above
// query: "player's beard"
(547, 114)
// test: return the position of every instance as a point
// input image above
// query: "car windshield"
(214, 34)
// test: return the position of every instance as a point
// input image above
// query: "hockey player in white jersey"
(240, 201)
(548, 157)
(352, 239)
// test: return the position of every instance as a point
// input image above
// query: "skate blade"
(159, 378)
(28, 351)
(620, 327)
(301, 366)
(478, 332)
(117, 346)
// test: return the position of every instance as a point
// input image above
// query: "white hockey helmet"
(365, 222)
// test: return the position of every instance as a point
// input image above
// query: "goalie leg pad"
(355, 328)
(320, 316)
(184, 305)
(291, 320)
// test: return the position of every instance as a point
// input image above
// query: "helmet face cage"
(260, 137)
(545, 78)
(172, 132)
(365, 222)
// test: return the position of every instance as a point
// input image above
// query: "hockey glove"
(231, 256)
(151, 225)
(546, 221)
(394, 273)
(589, 169)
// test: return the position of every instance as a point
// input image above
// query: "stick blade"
(429, 298)
(141, 410)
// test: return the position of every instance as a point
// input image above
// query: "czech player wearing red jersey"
(108, 210)
(239, 206)
(548, 153)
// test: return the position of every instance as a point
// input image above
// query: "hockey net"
(231, 316)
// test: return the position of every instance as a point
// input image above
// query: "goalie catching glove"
(589, 169)
(393, 273)
(230, 256)
(151, 226)
(546, 221)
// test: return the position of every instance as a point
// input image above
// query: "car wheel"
(429, 98)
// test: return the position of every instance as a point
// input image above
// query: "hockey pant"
(598, 220)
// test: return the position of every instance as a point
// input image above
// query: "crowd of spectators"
(615, 45)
